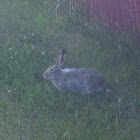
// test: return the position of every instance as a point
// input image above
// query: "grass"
(31, 108)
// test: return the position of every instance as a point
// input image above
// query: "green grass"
(31, 108)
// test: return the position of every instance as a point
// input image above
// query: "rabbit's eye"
(51, 69)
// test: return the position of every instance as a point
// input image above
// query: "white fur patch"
(67, 70)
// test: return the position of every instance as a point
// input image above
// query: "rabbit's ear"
(61, 57)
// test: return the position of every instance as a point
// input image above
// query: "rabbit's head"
(55, 70)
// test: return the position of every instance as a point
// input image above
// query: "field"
(31, 108)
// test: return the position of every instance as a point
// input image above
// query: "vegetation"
(31, 34)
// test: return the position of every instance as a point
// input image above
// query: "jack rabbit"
(81, 80)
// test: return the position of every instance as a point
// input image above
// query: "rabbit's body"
(82, 80)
